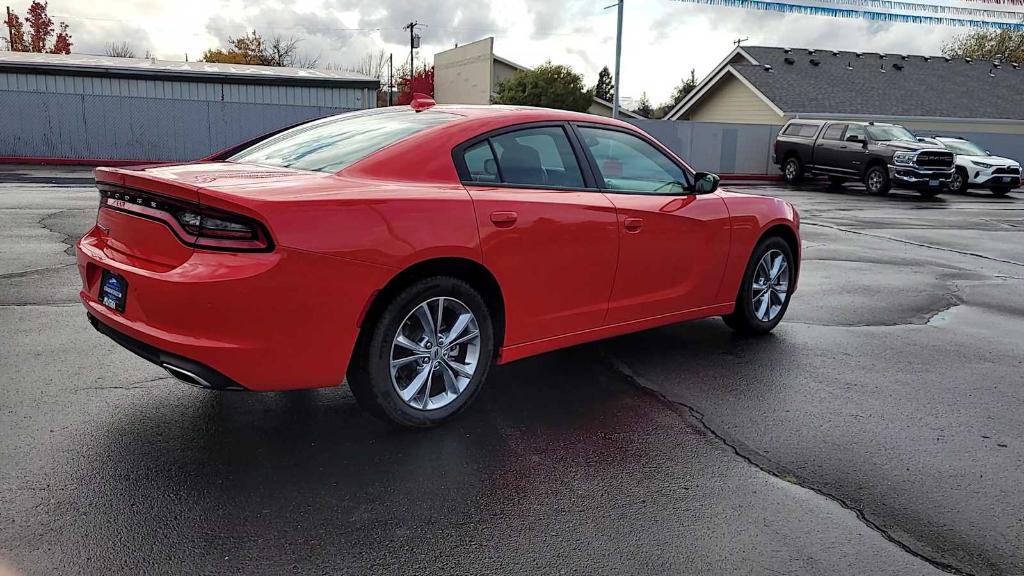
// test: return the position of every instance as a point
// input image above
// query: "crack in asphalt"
(130, 386)
(912, 243)
(64, 238)
(40, 305)
(769, 466)
(31, 271)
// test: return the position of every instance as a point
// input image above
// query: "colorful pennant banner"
(945, 14)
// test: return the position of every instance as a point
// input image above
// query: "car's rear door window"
(481, 164)
(628, 163)
(334, 143)
(540, 157)
(834, 132)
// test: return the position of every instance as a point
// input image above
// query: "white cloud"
(663, 39)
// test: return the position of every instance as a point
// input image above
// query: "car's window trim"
(842, 133)
(459, 158)
(689, 188)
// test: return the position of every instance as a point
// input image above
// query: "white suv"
(976, 168)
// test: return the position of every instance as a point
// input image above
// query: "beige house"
(928, 94)
(469, 74)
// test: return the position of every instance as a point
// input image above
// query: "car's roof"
(519, 113)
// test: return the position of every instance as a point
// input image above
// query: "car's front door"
(547, 234)
(673, 243)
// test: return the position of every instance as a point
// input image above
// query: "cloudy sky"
(663, 39)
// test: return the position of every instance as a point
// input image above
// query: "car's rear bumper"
(919, 178)
(262, 321)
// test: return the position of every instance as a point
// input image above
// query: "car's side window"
(481, 164)
(834, 132)
(857, 131)
(540, 157)
(628, 163)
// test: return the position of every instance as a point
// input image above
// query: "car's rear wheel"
(1000, 191)
(876, 180)
(426, 356)
(793, 170)
(764, 293)
(958, 183)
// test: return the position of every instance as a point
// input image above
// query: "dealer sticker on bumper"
(113, 290)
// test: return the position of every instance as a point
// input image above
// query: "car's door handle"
(504, 219)
(633, 224)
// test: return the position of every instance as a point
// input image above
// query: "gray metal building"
(74, 108)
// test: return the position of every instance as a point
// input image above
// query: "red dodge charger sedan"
(408, 249)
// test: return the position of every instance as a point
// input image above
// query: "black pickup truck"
(880, 155)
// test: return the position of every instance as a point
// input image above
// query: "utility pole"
(391, 78)
(411, 26)
(618, 59)
(10, 33)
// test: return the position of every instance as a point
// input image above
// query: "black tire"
(793, 170)
(876, 180)
(1000, 191)
(958, 184)
(836, 181)
(369, 374)
(744, 319)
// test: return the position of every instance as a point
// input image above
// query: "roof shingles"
(923, 88)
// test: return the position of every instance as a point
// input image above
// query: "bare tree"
(120, 50)
(281, 52)
(373, 64)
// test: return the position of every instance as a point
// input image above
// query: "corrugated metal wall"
(77, 117)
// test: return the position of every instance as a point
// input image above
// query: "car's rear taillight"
(193, 224)
(222, 230)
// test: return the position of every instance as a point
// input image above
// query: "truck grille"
(1006, 170)
(935, 159)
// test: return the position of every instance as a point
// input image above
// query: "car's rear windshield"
(332, 144)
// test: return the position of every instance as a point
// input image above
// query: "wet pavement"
(877, 431)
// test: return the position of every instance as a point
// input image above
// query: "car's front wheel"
(427, 355)
(958, 183)
(764, 292)
(876, 180)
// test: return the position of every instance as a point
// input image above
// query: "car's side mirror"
(706, 182)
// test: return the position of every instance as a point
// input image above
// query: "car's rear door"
(830, 151)
(673, 243)
(547, 234)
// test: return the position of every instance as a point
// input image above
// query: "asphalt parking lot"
(879, 430)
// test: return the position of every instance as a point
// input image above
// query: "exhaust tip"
(187, 377)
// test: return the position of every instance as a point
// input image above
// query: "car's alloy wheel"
(425, 355)
(765, 290)
(770, 286)
(434, 353)
(792, 170)
(958, 183)
(876, 181)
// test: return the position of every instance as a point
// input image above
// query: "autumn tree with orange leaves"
(42, 36)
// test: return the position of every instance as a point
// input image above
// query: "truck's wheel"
(876, 180)
(793, 170)
(958, 183)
